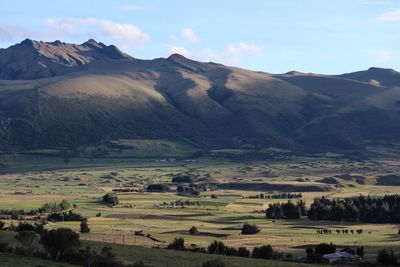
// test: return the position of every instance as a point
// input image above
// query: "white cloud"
(189, 35)
(384, 56)
(10, 33)
(238, 51)
(130, 7)
(389, 16)
(179, 50)
(125, 34)
(375, 2)
(233, 54)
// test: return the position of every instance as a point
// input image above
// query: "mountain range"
(57, 95)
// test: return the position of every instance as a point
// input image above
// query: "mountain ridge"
(107, 96)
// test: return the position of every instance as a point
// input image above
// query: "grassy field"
(28, 182)
(9, 260)
(150, 256)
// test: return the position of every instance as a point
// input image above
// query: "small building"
(340, 257)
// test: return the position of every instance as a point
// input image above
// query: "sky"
(320, 36)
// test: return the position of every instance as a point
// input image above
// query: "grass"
(9, 260)
(150, 256)
(83, 182)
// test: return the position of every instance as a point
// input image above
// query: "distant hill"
(65, 95)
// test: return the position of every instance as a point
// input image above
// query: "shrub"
(84, 227)
(250, 229)
(177, 244)
(24, 227)
(193, 230)
(111, 199)
(263, 252)
(213, 263)
(39, 228)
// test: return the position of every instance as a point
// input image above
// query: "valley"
(232, 197)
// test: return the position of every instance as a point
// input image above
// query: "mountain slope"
(94, 96)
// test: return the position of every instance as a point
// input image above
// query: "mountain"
(66, 95)
(33, 59)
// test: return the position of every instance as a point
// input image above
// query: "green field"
(27, 182)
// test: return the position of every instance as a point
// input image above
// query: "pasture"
(218, 213)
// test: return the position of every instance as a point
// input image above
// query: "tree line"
(370, 209)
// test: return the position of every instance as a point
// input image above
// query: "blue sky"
(275, 36)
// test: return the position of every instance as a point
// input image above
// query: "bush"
(213, 263)
(39, 228)
(194, 230)
(111, 199)
(387, 258)
(263, 252)
(84, 227)
(58, 242)
(250, 229)
(177, 244)
(24, 227)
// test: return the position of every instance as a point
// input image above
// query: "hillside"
(65, 95)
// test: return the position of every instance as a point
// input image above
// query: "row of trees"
(219, 248)
(52, 207)
(276, 196)
(287, 210)
(384, 209)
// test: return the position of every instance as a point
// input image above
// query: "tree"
(216, 247)
(325, 248)
(243, 252)
(177, 244)
(24, 227)
(250, 229)
(26, 238)
(84, 227)
(59, 241)
(111, 199)
(263, 252)
(193, 230)
(64, 205)
(158, 188)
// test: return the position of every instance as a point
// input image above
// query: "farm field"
(218, 213)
